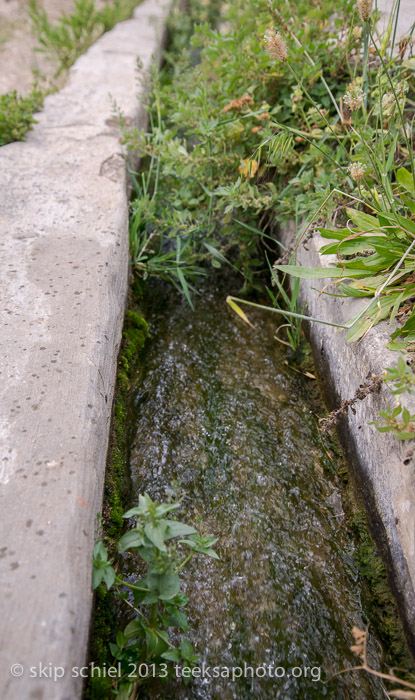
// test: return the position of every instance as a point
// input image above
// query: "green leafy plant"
(164, 545)
(403, 429)
(400, 378)
(72, 34)
(204, 185)
(16, 114)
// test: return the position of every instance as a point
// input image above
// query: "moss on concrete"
(135, 332)
(381, 605)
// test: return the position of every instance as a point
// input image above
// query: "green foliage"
(383, 609)
(16, 114)
(134, 337)
(400, 378)
(208, 174)
(104, 619)
(370, 250)
(165, 545)
(72, 34)
(63, 41)
(403, 429)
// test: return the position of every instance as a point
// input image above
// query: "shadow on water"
(220, 412)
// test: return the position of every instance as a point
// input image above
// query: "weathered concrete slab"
(383, 471)
(63, 285)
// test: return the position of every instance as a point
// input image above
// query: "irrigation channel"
(219, 411)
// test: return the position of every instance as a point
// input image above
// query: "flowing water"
(220, 412)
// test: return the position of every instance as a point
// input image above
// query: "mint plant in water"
(143, 650)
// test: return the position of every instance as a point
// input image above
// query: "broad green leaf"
(155, 645)
(147, 553)
(176, 529)
(171, 655)
(144, 502)
(364, 222)
(100, 552)
(409, 202)
(108, 576)
(129, 540)
(178, 619)
(336, 233)
(406, 416)
(133, 629)
(187, 651)
(97, 576)
(349, 247)
(165, 586)
(408, 327)
(405, 179)
(156, 534)
(120, 639)
(164, 508)
(378, 310)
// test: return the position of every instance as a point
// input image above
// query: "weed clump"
(16, 114)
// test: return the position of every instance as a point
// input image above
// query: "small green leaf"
(130, 540)
(124, 691)
(97, 576)
(405, 179)
(156, 534)
(178, 619)
(171, 655)
(100, 552)
(108, 576)
(133, 629)
(120, 639)
(164, 586)
(176, 529)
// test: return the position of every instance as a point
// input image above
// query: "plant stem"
(398, 104)
(184, 562)
(121, 582)
(153, 615)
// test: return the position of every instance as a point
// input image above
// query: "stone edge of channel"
(64, 263)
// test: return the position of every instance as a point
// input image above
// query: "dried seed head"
(354, 98)
(276, 46)
(357, 171)
(388, 104)
(365, 9)
(240, 102)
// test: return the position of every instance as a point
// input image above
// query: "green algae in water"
(219, 411)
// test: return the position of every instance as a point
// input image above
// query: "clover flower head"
(388, 104)
(357, 171)
(354, 98)
(276, 46)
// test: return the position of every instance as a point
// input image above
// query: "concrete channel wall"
(64, 282)
(384, 471)
(383, 468)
